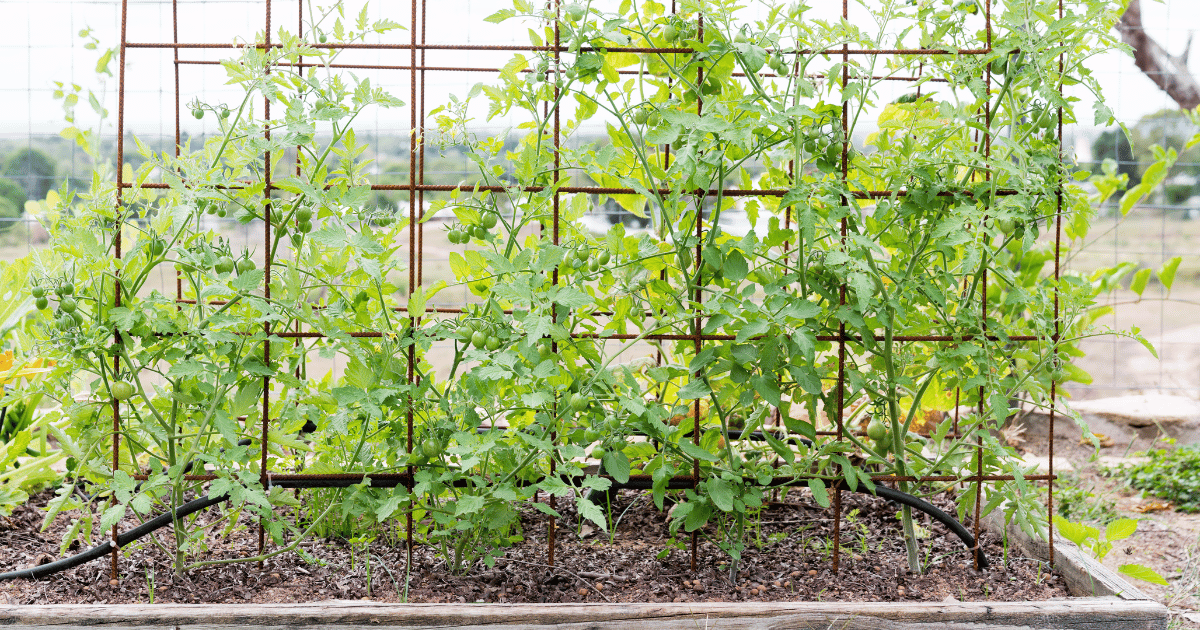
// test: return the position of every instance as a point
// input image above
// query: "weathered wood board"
(1091, 613)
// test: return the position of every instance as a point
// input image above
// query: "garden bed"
(786, 577)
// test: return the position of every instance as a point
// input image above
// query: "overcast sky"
(41, 45)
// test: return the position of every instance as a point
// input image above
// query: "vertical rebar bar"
(119, 225)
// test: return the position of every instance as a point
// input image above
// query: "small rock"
(599, 586)
(113, 582)
(812, 571)
(795, 574)
(583, 591)
(950, 599)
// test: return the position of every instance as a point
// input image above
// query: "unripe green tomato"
(876, 430)
(488, 220)
(578, 402)
(66, 289)
(591, 435)
(198, 113)
(304, 226)
(478, 339)
(479, 232)
(670, 33)
(740, 37)
(998, 65)
(582, 252)
(67, 305)
(454, 236)
(245, 265)
(593, 266)
(38, 291)
(1058, 375)
(221, 212)
(297, 239)
(122, 390)
(597, 452)
(157, 247)
(655, 119)
(304, 213)
(42, 303)
(603, 257)
(322, 38)
(431, 448)
(640, 116)
(224, 112)
(1006, 225)
(492, 344)
(224, 265)
(465, 330)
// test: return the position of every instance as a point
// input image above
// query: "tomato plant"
(899, 261)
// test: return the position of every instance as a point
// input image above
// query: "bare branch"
(1168, 72)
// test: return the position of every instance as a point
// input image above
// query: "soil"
(788, 559)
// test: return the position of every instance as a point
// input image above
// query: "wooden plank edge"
(1090, 613)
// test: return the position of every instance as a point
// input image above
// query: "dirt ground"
(788, 559)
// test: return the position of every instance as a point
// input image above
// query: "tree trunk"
(1168, 71)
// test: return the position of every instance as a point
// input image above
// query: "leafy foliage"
(1170, 473)
(645, 349)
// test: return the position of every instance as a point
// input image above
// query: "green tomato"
(38, 291)
(224, 265)
(322, 38)
(431, 448)
(597, 452)
(198, 113)
(876, 429)
(640, 116)
(245, 265)
(479, 232)
(304, 226)
(122, 390)
(67, 305)
(593, 266)
(741, 37)
(670, 33)
(42, 303)
(157, 247)
(1006, 225)
(578, 402)
(603, 257)
(492, 344)
(66, 289)
(488, 220)
(479, 339)
(591, 435)
(304, 213)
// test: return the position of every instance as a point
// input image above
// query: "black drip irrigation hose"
(196, 505)
(126, 538)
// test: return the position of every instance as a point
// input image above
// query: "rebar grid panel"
(417, 70)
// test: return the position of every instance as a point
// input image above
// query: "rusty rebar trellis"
(417, 69)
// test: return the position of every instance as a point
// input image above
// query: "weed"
(1170, 473)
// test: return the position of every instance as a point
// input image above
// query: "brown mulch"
(787, 559)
